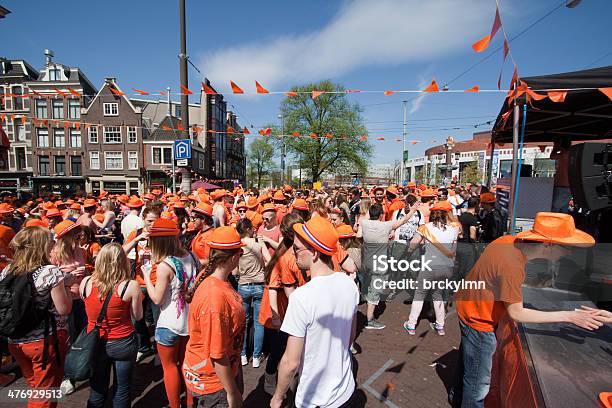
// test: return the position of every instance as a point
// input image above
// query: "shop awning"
(586, 114)
(205, 185)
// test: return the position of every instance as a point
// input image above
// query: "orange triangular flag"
(245, 131)
(483, 44)
(268, 131)
(73, 92)
(295, 134)
(66, 124)
(314, 94)
(61, 93)
(414, 142)
(230, 129)
(235, 88)
(380, 138)
(473, 89)
(162, 93)
(180, 127)
(260, 89)
(207, 89)
(328, 136)
(186, 90)
(506, 48)
(363, 138)
(314, 136)
(388, 93)
(77, 125)
(557, 96)
(138, 91)
(433, 87)
(607, 92)
(116, 91)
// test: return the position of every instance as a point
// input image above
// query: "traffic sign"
(182, 162)
(182, 149)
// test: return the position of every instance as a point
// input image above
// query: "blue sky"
(362, 44)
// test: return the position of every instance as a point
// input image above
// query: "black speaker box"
(590, 175)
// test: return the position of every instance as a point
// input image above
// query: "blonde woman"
(111, 279)
(175, 271)
(364, 211)
(31, 247)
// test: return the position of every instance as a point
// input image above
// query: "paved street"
(393, 369)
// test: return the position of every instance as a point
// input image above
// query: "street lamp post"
(403, 169)
(282, 178)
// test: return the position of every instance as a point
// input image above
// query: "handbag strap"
(102, 314)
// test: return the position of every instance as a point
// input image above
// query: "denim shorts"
(166, 337)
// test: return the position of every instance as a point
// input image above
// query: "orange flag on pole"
(61, 93)
(387, 93)
(268, 131)
(607, 92)
(433, 87)
(245, 131)
(235, 88)
(314, 94)
(363, 138)
(260, 89)
(291, 93)
(473, 89)
(116, 91)
(295, 134)
(314, 136)
(380, 138)
(230, 129)
(208, 90)
(328, 136)
(483, 44)
(557, 96)
(186, 90)
(73, 92)
(138, 91)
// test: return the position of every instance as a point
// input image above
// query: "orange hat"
(204, 208)
(225, 238)
(392, 190)
(124, 199)
(218, 194)
(156, 192)
(345, 231)
(6, 208)
(240, 205)
(268, 207)
(30, 203)
(191, 197)
(301, 204)
(287, 188)
(59, 202)
(21, 211)
(53, 212)
(70, 201)
(429, 192)
(48, 205)
(487, 198)
(443, 205)
(264, 197)
(90, 202)
(35, 222)
(320, 234)
(185, 199)
(64, 227)
(75, 206)
(103, 194)
(411, 184)
(422, 187)
(252, 203)
(99, 217)
(149, 196)
(168, 215)
(279, 196)
(135, 202)
(163, 227)
(556, 228)
(179, 204)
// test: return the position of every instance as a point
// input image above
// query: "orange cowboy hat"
(75, 206)
(429, 192)
(135, 202)
(487, 198)
(48, 205)
(252, 203)
(64, 227)
(59, 202)
(123, 199)
(411, 184)
(218, 194)
(301, 204)
(556, 228)
(203, 208)
(35, 222)
(345, 231)
(287, 188)
(168, 215)
(90, 202)
(53, 212)
(264, 197)
(392, 190)
(422, 187)
(240, 205)
(149, 196)
(279, 196)
(156, 192)
(103, 194)
(178, 204)
(225, 238)
(268, 207)
(443, 205)
(6, 208)
(163, 227)
(320, 234)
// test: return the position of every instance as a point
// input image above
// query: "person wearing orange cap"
(491, 219)
(175, 274)
(439, 236)
(107, 225)
(221, 215)
(7, 217)
(300, 207)
(6, 235)
(280, 201)
(89, 209)
(132, 221)
(501, 269)
(269, 232)
(318, 345)
(202, 218)
(394, 202)
(337, 217)
(217, 321)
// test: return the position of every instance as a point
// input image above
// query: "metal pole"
(490, 172)
(515, 169)
(282, 177)
(403, 169)
(186, 175)
(169, 113)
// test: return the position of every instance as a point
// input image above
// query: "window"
(93, 134)
(112, 134)
(75, 138)
(60, 165)
(113, 160)
(59, 140)
(17, 100)
(76, 168)
(162, 155)
(43, 165)
(111, 109)
(58, 109)
(41, 108)
(20, 131)
(20, 158)
(43, 137)
(54, 74)
(132, 138)
(94, 160)
(133, 160)
(74, 109)
(177, 111)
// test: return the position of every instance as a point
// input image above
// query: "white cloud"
(363, 33)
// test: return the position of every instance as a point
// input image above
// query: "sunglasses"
(195, 218)
(242, 211)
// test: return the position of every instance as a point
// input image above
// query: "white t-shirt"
(130, 223)
(456, 201)
(322, 313)
(376, 232)
(447, 237)
(406, 231)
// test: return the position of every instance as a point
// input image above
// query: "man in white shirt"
(132, 221)
(321, 324)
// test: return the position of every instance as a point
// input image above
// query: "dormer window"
(55, 74)
(111, 109)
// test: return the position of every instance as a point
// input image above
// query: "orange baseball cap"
(268, 207)
(345, 231)
(6, 208)
(301, 204)
(429, 192)
(556, 228)
(90, 202)
(320, 234)
(163, 227)
(204, 208)
(135, 202)
(64, 227)
(487, 198)
(225, 238)
(279, 196)
(35, 222)
(443, 205)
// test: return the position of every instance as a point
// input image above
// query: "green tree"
(329, 113)
(260, 162)
(470, 173)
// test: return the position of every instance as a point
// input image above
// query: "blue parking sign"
(182, 149)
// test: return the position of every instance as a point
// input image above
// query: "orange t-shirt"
(395, 205)
(255, 218)
(216, 330)
(199, 246)
(6, 253)
(281, 211)
(289, 271)
(265, 310)
(501, 269)
(338, 258)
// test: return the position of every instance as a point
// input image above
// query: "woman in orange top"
(212, 367)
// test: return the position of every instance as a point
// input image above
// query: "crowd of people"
(207, 281)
